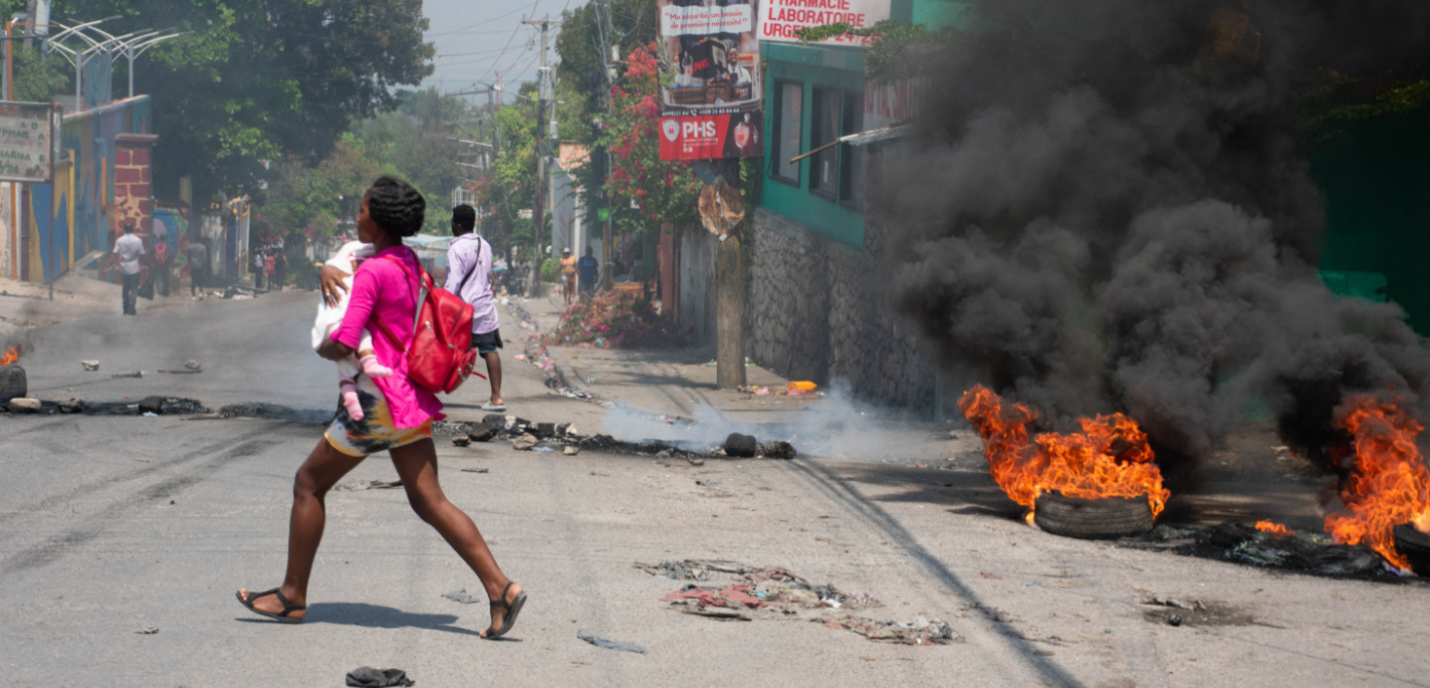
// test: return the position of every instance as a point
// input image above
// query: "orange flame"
(12, 354)
(1274, 528)
(1109, 458)
(1389, 485)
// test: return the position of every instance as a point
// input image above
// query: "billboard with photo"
(709, 80)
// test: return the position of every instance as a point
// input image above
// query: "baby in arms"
(329, 318)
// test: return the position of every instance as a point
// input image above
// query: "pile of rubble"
(525, 435)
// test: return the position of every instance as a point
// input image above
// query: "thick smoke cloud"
(1104, 208)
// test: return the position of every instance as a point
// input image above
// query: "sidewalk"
(681, 385)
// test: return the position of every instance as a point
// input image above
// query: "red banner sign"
(705, 137)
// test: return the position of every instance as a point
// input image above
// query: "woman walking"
(397, 418)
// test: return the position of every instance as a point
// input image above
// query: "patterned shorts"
(375, 432)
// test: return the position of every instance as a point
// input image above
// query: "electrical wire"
(484, 23)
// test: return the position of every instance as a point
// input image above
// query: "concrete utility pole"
(544, 91)
(603, 29)
(730, 290)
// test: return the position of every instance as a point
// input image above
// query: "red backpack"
(441, 357)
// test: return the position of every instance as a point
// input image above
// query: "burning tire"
(1415, 547)
(12, 382)
(1093, 519)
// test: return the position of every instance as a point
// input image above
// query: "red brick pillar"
(133, 196)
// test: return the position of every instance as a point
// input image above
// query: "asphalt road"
(112, 525)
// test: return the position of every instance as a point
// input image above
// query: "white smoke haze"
(835, 425)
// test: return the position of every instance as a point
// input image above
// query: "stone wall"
(819, 310)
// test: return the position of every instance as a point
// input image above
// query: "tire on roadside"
(12, 382)
(1415, 547)
(1093, 519)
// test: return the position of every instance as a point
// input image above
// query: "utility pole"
(544, 92)
(604, 29)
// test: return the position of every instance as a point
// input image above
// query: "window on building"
(788, 111)
(824, 165)
(853, 160)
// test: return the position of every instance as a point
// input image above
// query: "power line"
(484, 23)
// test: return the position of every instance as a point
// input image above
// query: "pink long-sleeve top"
(382, 291)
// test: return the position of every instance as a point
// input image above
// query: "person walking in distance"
(398, 416)
(469, 266)
(568, 275)
(198, 255)
(130, 250)
(590, 268)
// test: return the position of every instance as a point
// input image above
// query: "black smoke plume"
(1107, 206)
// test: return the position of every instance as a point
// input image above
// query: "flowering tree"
(645, 190)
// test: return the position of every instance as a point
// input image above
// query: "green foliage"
(889, 56)
(38, 79)
(578, 45)
(1329, 110)
(548, 270)
(645, 190)
(264, 79)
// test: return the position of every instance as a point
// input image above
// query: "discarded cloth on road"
(608, 644)
(921, 631)
(368, 677)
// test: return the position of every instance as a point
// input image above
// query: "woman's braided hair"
(396, 207)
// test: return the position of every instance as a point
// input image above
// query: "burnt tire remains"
(1415, 547)
(1093, 519)
(12, 382)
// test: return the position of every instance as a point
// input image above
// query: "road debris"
(137, 373)
(462, 596)
(368, 677)
(360, 485)
(608, 644)
(476, 470)
(569, 450)
(779, 449)
(1308, 552)
(694, 569)
(25, 405)
(90, 366)
(921, 631)
(524, 442)
(154, 405)
(740, 445)
(147, 630)
(483, 433)
(461, 441)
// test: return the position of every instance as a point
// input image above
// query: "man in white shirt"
(469, 267)
(130, 250)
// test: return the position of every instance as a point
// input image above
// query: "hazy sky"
(477, 38)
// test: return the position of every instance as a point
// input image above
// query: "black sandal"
(512, 609)
(280, 616)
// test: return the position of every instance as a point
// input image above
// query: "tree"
(263, 79)
(579, 45)
(645, 190)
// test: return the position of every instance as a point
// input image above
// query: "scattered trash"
(137, 373)
(147, 630)
(779, 449)
(461, 441)
(921, 631)
(773, 588)
(462, 596)
(543, 450)
(694, 569)
(150, 414)
(524, 442)
(570, 450)
(476, 470)
(90, 366)
(360, 485)
(154, 405)
(993, 576)
(801, 386)
(1174, 620)
(25, 405)
(368, 677)
(608, 644)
